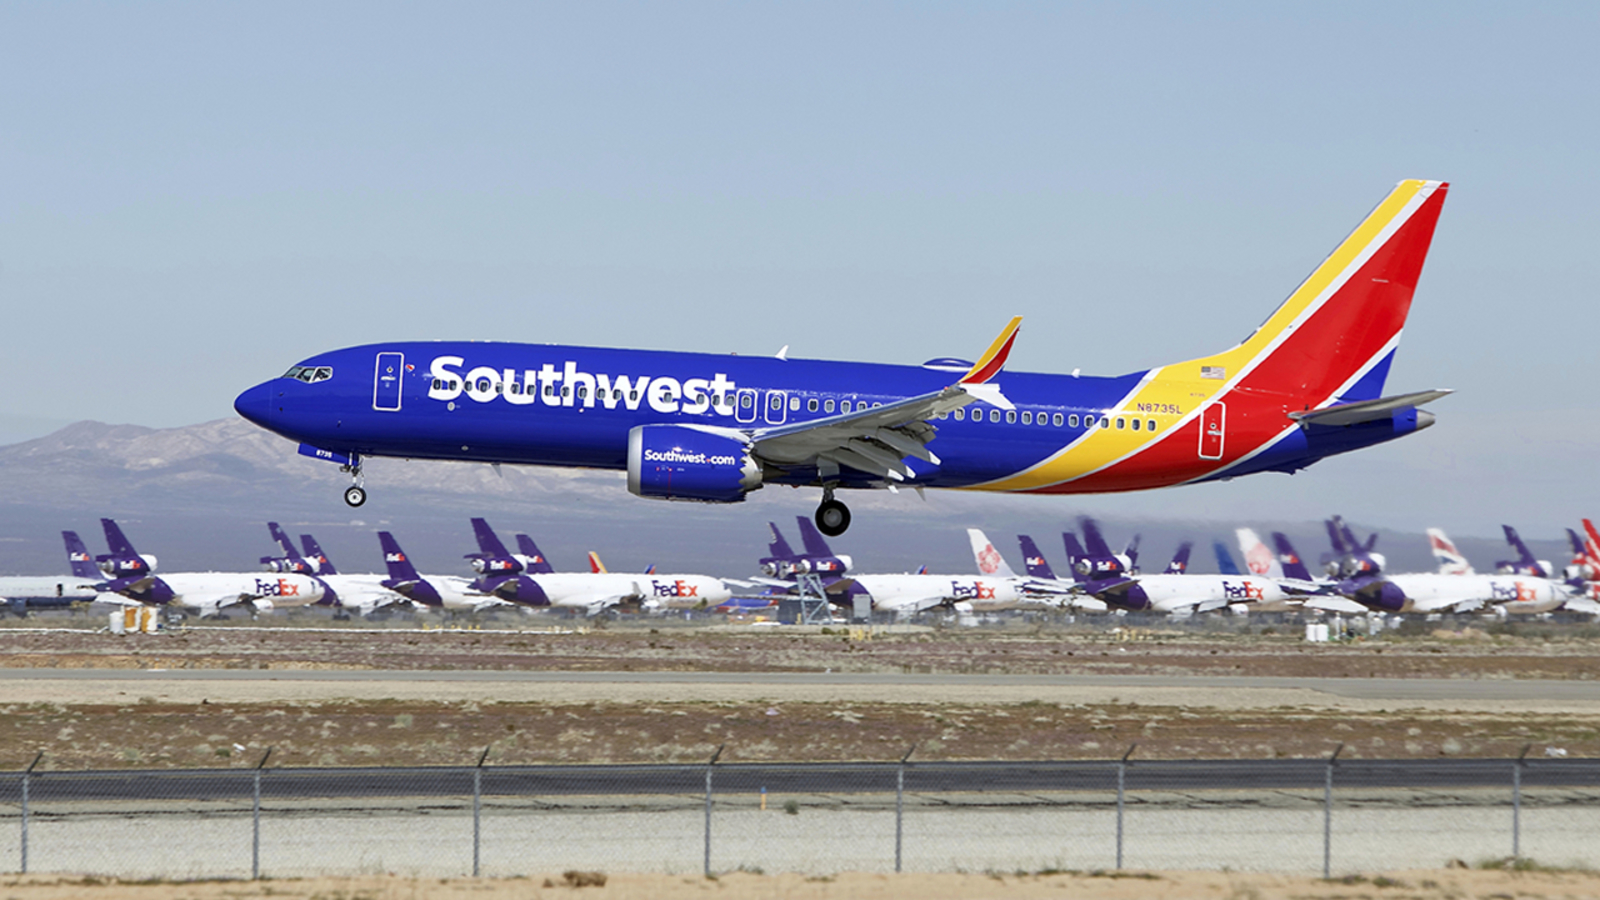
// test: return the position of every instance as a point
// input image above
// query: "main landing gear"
(833, 517)
(355, 494)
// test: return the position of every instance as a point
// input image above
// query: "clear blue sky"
(197, 195)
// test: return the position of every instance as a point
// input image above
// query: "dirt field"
(1525, 650)
(1452, 884)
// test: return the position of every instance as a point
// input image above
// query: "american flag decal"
(1217, 372)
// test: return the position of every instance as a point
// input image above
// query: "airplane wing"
(1334, 604)
(1444, 604)
(879, 439)
(219, 600)
(1582, 605)
(1301, 586)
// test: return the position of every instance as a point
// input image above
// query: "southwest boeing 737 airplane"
(1305, 385)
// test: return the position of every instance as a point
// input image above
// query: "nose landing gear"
(355, 494)
(833, 517)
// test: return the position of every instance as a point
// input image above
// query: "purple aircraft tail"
(1132, 553)
(400, 567)
(811, 538)
(778, 548)
(1524, 563)
(314, 553)
(1075, 552)
(403, 577)
(1336, 539)
(78, 556)
(1180, 560)
(488, 541)
(537, 563)
(283, 540)
(119, 545)
(1093, 540)
(1033, 560)
(1293, 565)
(1225, 563)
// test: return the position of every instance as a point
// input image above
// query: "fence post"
(1327, 815)
(27, 774)
(1122, 769)
(709, 766)
(900, 802)
(255, 820)
(477, 805)
(1516, 803)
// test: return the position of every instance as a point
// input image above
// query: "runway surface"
(298, 685)
(1011, 778)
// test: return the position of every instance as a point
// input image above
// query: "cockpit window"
(309, 374)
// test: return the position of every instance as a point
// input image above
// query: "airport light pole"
(255, 820)
(900, 802)
(477, 806)
(709, 766)
(27, 774)
(1516, 803)
(1122, 771)
(1327, 815)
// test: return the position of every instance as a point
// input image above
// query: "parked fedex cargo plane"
(1305, 385)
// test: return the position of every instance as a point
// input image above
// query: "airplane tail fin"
(595, 565)
(78, 556)
(1032, 560)
(1258, 558)
(1515, 540)
(989, 560)
(315, 554)
(778, 548)
(1180, 560)
(923, 570)
(1075, 552)
(1293, 565)
(400, 567)
(536, 563)
(811, 538)
(1451, 560)
(1333, 339)
(488, 541)
(118, 543)
(1225, 563)
(283, 540)
(1334, 538)
(1093, 540)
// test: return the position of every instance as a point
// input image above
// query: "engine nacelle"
(1100, 567)
(123, 567)
(680, 462)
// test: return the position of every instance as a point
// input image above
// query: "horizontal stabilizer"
(1366, 410)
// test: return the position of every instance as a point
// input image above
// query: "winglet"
(994, 358)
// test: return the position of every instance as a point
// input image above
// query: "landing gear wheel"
(833, 518)
(356, 495)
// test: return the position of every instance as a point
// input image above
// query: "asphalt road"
(1011, 778)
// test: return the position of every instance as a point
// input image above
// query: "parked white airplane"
(362, 594)
(133, 582)
(528, 580)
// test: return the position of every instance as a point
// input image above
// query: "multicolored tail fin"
(1451, 560)
(1258, 557)
(595, 565)
(989, 560)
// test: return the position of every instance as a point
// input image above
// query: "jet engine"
(122, 567)
(681, 462)
(495, 565)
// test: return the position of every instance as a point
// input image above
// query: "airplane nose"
(255, 404)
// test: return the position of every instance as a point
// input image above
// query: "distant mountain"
(198, 497)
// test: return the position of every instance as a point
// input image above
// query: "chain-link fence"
(1303, 816)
